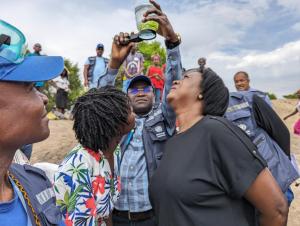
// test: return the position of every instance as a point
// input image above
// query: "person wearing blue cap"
(95, 68)
(25, 191)
(142, 148)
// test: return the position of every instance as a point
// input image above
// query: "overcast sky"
(261, 37)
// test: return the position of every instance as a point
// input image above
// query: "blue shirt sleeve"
(108, 78)
(61, 223)
(173, 72)
(87, 62)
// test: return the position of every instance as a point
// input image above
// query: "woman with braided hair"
(86, 183)
(211, 173)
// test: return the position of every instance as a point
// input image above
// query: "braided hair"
(98, 116)
(215, 93)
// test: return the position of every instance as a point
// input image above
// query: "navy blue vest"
(240, 112)
(92, 64)
(40, 192)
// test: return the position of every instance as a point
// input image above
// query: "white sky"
(258, 36)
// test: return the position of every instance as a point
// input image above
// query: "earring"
(200, 97)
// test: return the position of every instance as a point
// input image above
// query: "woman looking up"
(211, 173)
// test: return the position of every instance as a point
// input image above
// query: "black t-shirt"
(203, 176)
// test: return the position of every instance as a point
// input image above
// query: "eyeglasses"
(12, 43)
(135, 91)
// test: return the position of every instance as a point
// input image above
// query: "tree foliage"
(76, 88)
(150, 48)
(272, 96)
(291, 96)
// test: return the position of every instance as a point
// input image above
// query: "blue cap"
(100, 46)
(139, 78)
(32, 69)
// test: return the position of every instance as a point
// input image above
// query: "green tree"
(119, 78)
(272, 96)
(291, 96)
(150, 48)
(76, 88)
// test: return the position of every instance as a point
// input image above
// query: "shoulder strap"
(241, 135)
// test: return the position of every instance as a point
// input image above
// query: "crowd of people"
(133, 65)
(226, 163)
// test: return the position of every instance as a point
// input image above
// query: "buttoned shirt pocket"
(242, 118)
(265, 150)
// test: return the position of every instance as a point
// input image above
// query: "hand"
(119, 50)
(165, 28)
(157, 76)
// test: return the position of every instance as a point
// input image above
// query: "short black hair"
(215, 93)
(98, 116)
(242, 72)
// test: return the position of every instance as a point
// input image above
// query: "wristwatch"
(171, 45)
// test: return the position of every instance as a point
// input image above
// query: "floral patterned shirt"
(85, 188)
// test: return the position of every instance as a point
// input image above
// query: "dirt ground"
(62, 140)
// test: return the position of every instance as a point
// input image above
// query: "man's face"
(99, 52)
(37, 48)
(201, 62)
(241, 82)
(142, 97)
(23, 115)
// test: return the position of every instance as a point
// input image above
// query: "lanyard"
(22, 200)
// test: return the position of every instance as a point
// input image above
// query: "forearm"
(85, 74)
(293, 113)
(110, 76)
(278, 220)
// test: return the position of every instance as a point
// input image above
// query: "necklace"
(25, 195)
